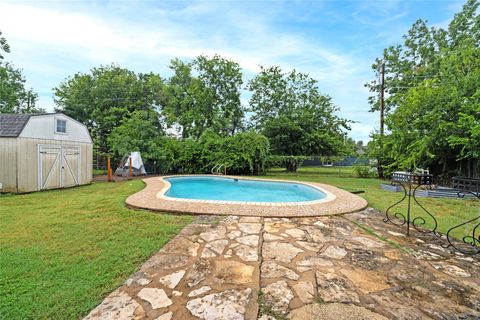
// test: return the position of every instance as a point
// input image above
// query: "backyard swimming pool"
(231, 189)
(209, 194)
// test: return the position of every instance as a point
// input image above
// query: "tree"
(186, 104)
(14, 97)
(223, 79)
(3, 45)
(105, 97)
(298, 120)
(137, 132)
(432, 101)
(440, 118)
(408, 64)
(204, 94)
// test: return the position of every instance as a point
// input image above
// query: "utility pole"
(382, 118)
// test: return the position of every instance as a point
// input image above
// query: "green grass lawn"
(99, 172)
(449, 212)
(62, 251)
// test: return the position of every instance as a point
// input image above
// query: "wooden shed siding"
(88, 158)
(27, 164)
(27, 161)
(28, 181)
(8, 163)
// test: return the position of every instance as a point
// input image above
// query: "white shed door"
(70, 166)
(58, 166)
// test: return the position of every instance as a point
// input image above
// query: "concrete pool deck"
(338, 201)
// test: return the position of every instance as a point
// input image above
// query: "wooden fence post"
(109, 170)
(130, 167)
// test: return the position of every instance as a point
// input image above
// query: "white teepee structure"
(137, 165)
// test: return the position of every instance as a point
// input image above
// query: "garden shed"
(43, 151)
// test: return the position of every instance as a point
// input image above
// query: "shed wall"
(43, 127)
(27, 162)
(8, 164)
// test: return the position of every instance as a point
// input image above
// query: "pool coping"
(151, 198)
(162, 193)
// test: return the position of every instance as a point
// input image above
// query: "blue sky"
(334, 41)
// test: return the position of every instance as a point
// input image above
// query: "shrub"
(247, 153)
(363, 171)
(243, 153)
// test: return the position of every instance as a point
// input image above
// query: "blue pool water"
(228, 189)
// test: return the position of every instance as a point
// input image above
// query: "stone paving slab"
(208, 271)
(294, 268)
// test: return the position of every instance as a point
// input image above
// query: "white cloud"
(53, 41)
(380, 13)
(362, 131)
(100, 39)
(87, 36)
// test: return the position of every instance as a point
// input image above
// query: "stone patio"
(298, 268)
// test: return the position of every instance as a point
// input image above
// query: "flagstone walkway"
(298, 268)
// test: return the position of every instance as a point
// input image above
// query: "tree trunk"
(381, 175)
(291, 165)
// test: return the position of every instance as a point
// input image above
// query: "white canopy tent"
(137, 165)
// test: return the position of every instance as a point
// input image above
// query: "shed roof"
(11, 125)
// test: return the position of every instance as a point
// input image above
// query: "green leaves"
(243, 153)
(433, 97)
(3, 45)
(137, 132)
(298, 120)
(126, 112)
(204, 94)
(14, 97)
(107, 96)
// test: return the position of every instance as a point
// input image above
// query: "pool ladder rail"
(217, 169)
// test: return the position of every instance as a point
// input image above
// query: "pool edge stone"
(152, 198)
